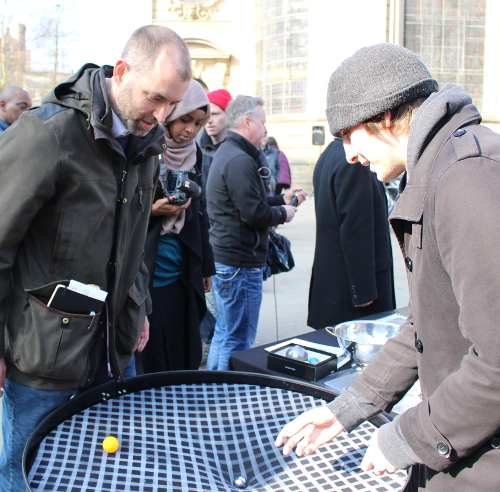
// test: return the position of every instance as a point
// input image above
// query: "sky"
(97, 30)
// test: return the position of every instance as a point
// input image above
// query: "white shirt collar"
(118, 129)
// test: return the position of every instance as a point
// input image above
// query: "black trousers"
(169, 345)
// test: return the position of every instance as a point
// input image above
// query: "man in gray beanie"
(387, 108)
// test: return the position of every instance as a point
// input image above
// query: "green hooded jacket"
(72, 206)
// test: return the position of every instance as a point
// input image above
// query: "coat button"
(495, 442)
(443, 449)
(409, 264)
(459, 133)
(419, 346)
(124, 200)
(65, 321)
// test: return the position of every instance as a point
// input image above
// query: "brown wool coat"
(447, 222)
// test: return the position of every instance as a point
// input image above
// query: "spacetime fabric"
(199, 437)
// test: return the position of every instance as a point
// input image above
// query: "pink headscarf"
(182, 157)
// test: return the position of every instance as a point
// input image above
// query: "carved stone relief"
(195, 9)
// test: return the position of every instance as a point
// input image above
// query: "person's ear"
(2, 105)
(388, 119)
(120, 70)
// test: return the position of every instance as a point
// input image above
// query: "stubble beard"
(129, 115)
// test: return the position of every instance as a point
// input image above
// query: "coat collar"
(410, 205)
(244, 144)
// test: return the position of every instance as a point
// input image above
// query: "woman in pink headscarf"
(178, 254)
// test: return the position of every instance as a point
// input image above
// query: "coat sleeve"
(31, 166)
(355, 205)
(464, 411)
(244, 187)
(392, 372)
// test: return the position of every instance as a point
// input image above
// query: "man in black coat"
(240, 214)
(352, 272)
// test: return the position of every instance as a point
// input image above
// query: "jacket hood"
(76, 92)
(86, 91)
(438, 106)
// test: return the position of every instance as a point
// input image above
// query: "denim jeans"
(238, 295)
(23, 409)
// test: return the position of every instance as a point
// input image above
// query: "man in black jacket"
(240, 214)
(352, 269)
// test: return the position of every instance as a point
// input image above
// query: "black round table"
(193, 431)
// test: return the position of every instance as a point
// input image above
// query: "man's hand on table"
(374, 459)
(309, 431)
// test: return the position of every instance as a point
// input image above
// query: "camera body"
(179, 188)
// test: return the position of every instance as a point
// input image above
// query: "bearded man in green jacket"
(76, 186)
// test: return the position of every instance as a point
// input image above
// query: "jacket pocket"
(62, 243)
(130, 320)
(223, 280)
(55, 344)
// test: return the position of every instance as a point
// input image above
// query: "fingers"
(143, 337)
(301, 443)
(3, 374)
(375, 460)
(309, 431)
(379, 468)
(293, 428)
(207, 284)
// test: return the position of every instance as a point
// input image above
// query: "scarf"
(182, 157)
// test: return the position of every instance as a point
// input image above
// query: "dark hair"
(145, 45)
(401, 118)
(204, 108)
(272, 141)
(202, 83)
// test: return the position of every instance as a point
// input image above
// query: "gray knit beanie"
(373, 80)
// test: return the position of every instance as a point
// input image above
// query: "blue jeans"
(238, 296)
(23, 409)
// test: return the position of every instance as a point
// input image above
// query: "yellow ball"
(110, 444)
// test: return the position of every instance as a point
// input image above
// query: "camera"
(179, 187)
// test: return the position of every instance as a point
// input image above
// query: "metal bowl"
(365, 338)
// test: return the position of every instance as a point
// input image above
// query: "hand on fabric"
(3, 375)
(164, 207)
(374, 459)
(309, 431)
(207, 284)
(290, 193)
(290, 212)
(143, 337)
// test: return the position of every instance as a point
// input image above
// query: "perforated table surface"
(194, 436)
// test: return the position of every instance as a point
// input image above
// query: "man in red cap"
(215, 132)
(209, 140)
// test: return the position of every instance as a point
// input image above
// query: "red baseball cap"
(221, 97)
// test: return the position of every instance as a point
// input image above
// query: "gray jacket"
(446, 222)
(72, 206)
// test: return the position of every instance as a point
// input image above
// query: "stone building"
(14, 58)
(285, 51)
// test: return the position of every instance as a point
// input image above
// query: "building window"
(449, 37)
(283, 50)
